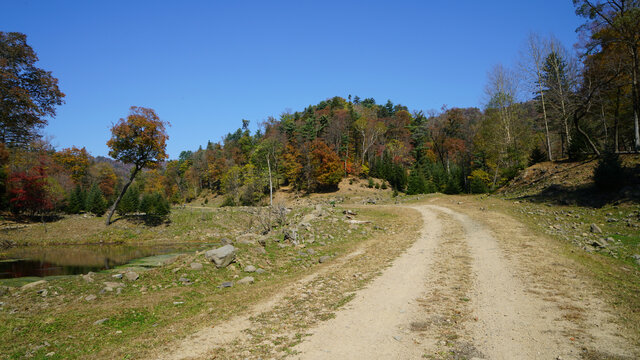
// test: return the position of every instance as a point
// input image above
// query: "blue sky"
(205, 65)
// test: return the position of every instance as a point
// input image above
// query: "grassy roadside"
(55, 320)
(612, 269)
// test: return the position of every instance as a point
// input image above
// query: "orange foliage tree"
(326, 165)
(141, 140)
(73, 160)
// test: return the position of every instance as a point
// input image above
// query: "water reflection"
(79, 259)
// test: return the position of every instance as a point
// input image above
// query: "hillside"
(571, 183)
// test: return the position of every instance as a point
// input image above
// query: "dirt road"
(473, 285)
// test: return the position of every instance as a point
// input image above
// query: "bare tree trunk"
(585, 135)
(636, 103)
(124, 189)
(270, 183)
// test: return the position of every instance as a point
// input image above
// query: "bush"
(479, 181)
(609, 175)
(370, 184)
(383, 186)
(96, 202)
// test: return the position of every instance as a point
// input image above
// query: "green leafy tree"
(29, 95)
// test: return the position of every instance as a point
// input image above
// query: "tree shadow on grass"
(143, 219)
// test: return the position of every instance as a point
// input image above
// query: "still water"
(78, 259)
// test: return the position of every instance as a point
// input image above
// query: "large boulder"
(222, 256)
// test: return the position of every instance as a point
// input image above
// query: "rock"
(185, 281)
(636, 257)
(117, 276)
(43, 292)
(131, 275)
(113, 285)
(247, 239)
(196, 266)
(323, 259)
(349, 212)
(291, 234)
(226, 241)
(4, 290)
(246, 280)
(262, 241)
(596, 229)
(87, 278)
(250, 269)
(50, 354)
(222, 256)
(33, 284)
(597, 244)
(101, 321)
(226, 284)
(90, 297)
(260, 271)
(311, 252)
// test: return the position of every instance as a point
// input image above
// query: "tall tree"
(616, 21)
(28, 94)
(141, 140)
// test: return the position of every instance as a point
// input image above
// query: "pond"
(79, 259)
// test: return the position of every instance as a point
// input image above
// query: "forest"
(554, 104)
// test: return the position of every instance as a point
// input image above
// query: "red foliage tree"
(28, 192)
(327, 167)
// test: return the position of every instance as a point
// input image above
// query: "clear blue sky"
(205, 65)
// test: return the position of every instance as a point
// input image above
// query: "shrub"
(609, 175)
(479, 181)
(370, 184)
(383, 186)
(154, 204)
(452, 187)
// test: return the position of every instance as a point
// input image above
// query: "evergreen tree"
(130, 201)
(96, 202)
(416, 183)
(77, 200)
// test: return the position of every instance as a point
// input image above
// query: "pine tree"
(96, 202)
(130, 201)
(77, 200)
(416, 183)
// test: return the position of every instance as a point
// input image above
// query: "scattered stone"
(4, 290)
(597, 244)
(43, 292)
(50, 354)
(226, 241)
(349, 212)
(196, 266)
(291, 234)
(90, 297)
(101, 321)
(262, 241)
(131, 275)
(636, 257)
(33, 284)
(260, 271)
(250, 269)
(246, 280)
(226, 284)
(117, 276)
(596, 229)
(323, 259)
(185, 281)
(113, 285)
(311, 252)
(222, 256)
(178, 302)
(87, 278)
